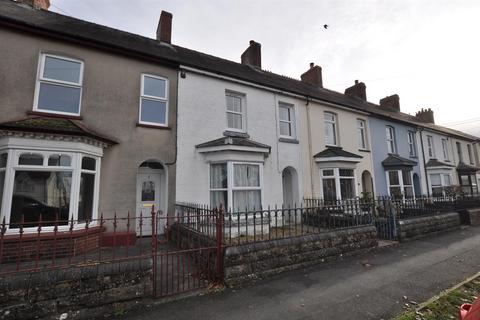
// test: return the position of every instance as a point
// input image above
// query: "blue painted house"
(396, 153)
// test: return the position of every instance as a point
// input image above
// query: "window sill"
(240, 134)
(364, 150)
(53, 115)
(289, 140)
(151, 126)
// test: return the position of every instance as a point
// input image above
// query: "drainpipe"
(310, 152)
(424, 163)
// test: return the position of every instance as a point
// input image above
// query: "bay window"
(338, 184)
(439, 182)
(236, 185)
(59, 85)
(400, 183)
(50, 187)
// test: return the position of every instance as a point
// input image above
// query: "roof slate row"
(71, 29)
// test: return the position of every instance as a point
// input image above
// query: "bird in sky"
(326, 26)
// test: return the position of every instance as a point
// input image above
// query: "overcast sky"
(427, 51)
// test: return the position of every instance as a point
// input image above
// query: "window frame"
(41, 79)
(459, 151)
(362, 131)
(335, 128)
(336, 177)
(391, 140)
(401, 184)
(243, 113)
(430, 147)
(412, 146)
(231, 184)
(13, 166)
(470, 154)
(153, 98)
(291, 122)
(446, 155)
(443, 183)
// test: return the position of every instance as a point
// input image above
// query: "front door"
(148, 195)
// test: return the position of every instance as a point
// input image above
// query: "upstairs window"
(154, 100)
(459, 151)
(235, 111)
(412, 150)
(470, 155)
(59, 85)
(286, 116)
(446, 156)
(390, 139)
(330, 129)
(431, 149)
(361, 134)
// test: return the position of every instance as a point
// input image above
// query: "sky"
(426, 51)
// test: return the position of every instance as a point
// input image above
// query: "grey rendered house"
(87, 121)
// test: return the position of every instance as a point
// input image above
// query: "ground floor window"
(468, 183)
(236, 185)
(400, 183)
(338, 184)
(439, 183)
(49, 187)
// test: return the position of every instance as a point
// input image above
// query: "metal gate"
(385, 219)
(188, 254)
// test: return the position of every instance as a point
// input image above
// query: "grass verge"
(446, 305)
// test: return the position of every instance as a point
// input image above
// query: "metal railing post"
(220, 222)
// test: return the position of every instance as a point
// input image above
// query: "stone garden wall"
(470, 217)
(417, 227)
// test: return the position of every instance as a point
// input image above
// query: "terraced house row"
(97, 121)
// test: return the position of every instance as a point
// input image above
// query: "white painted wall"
(202, 118)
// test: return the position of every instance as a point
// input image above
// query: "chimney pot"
(313, 76)
(37, 4)
(425, 115)
(253, 55)
(391, 102)
(164, 29)
(358, 90)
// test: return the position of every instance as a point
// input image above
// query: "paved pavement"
(366, 286)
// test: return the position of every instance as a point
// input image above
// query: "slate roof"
(463, 167)
(432, 163)
(332, 152)
(394, 160)
(87, 33)
(235, 141)
(61, 126)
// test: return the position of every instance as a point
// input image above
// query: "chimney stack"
(358, 90)
(37, 4)
(164, 29)
(425, 115)
(313, 76)
(253, 55)
(391, 102)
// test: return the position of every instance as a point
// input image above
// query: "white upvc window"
(459, 151)
(236, 185)
(400, 183)
(53, 187)
(153, 109)
(430, 147)
(412, 150)
(286, 119)
(362, 134)
(59, 85)
(338, 184)
(236, 111)
(330, 122)
(438, 183)
(470, 155)
(446, 156)
(391, 145)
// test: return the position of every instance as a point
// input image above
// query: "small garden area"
(446, 306)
